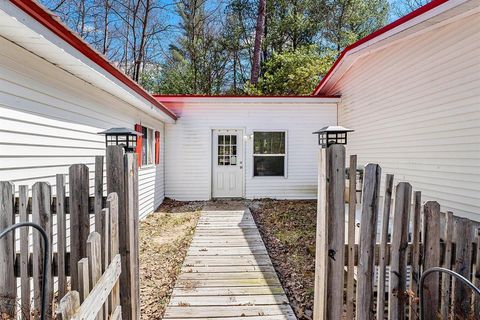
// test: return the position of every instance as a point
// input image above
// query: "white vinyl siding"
(49, 120)
(415, 109)
(189, 144)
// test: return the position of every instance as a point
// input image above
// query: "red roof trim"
(429, 6)
(41, 15)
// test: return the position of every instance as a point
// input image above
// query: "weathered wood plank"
(235, 291)
(8, 290)
(94, 255)
(112, 205)
(321, 240)
(383, 247)
(398, 266)
(61, 235)
(462, 237)
(132, 233)
(229, 300)
(447, 263)
(352, 201)
(335, 230)
(79, 217)
(431, 257)
(99, 294)
(415, 265)
(69, 305)
(237, 311)
(476, 276)
(41, 200)
(365, 276)
(24, 253)
(83, 279)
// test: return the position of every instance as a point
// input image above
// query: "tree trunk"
(259, 30)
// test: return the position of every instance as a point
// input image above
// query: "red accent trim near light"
(429, 6)
(138, 149)
(41, 15)
(157, 147)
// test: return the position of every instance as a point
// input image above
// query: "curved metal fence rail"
(46, 258)
(442, 270)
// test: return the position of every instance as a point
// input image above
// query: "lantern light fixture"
(124, 137)
(332, 135)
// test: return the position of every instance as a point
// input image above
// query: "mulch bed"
(164, 239)
(288, 230)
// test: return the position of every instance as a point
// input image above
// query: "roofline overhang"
(431, 9)
(42, 16)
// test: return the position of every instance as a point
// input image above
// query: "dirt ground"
(288, 230)
(164, 239)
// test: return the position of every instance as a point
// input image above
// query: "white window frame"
(285, 155)
(149, 142)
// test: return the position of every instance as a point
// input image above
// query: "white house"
(411, 92)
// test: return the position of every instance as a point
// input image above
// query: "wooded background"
(256, 47)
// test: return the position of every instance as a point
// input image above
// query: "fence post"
(399, 245)
(8, 289)
(368, 232)
(321, 240)
(332, 204)
(131, 183)
(383, 247)
(431, 257)
(79, 217)
(122, 178)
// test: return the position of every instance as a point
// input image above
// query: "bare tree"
(259, 32)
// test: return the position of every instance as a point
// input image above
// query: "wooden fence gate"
(82, 261)
(374, 273)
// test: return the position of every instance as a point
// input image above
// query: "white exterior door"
(227, 166)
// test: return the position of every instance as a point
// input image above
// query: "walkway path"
(227, 273)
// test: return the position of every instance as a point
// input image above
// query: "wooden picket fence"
(91, 266)
(374, 273)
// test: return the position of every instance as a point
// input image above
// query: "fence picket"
(8, 290)
(415, 265)
(83, 279)
(61, 236)
(105, 247)
(462, 236)
(24, 252)
(69, 305)
(383, 247)
(447, 263)
(431, 257)
(79, 217)
(398, 261)
(94, 261)
(112, 205)
(368, 231)
(352, 201)
(476, 277)
(41, 215)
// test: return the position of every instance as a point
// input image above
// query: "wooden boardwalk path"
(227, 273)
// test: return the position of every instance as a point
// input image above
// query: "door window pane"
(227, 150)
